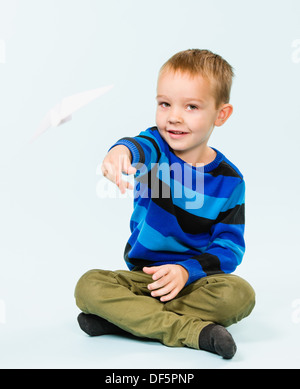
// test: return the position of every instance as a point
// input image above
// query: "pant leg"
(122, 297)
(222, 298)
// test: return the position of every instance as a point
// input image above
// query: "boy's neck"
(203, 156)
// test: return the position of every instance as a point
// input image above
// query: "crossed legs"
(121, 302)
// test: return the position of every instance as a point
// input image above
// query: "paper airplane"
(63, 111)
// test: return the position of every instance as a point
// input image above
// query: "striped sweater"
(185, 215)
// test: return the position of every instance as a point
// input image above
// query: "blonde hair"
(208, 65)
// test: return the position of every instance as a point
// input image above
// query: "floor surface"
(267, 339)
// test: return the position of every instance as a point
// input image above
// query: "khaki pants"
(122, 298)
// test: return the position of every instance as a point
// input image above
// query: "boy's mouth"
(175, 134)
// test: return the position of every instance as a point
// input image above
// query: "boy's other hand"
(168, 280)
(116, 162)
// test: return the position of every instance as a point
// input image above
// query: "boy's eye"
(192, 107)
(164, 105)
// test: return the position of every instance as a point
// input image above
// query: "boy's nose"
(175, 117)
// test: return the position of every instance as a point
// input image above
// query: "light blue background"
(54, 227)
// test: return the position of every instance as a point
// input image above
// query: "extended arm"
(116, 162)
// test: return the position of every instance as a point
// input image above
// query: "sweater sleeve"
(226, 246)
(144, 148)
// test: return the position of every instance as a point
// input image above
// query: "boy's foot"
(217, 340)
(95, 325)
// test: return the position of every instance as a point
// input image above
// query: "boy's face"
(186, 114)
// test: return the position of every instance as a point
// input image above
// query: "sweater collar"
(206, 168)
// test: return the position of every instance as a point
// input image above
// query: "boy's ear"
(225, 112)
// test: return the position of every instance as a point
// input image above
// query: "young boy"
(187, 226)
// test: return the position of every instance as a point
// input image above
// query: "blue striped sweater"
(185, 215)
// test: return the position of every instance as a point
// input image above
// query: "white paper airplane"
(63, 111)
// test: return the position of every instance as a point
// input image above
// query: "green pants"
(122, 298)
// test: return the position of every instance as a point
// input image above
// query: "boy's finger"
(159, 285)
(108, 171)
(169, 296)
(123, 166)
(160, 272)
(126, 185)
(120, 183)
(131, 170)
(150, 270)
(157, 271)
(129, 185)
(127, 168)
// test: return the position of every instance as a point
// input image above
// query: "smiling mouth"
(176, 132)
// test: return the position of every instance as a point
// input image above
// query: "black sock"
(95, 325)
(217, 339)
